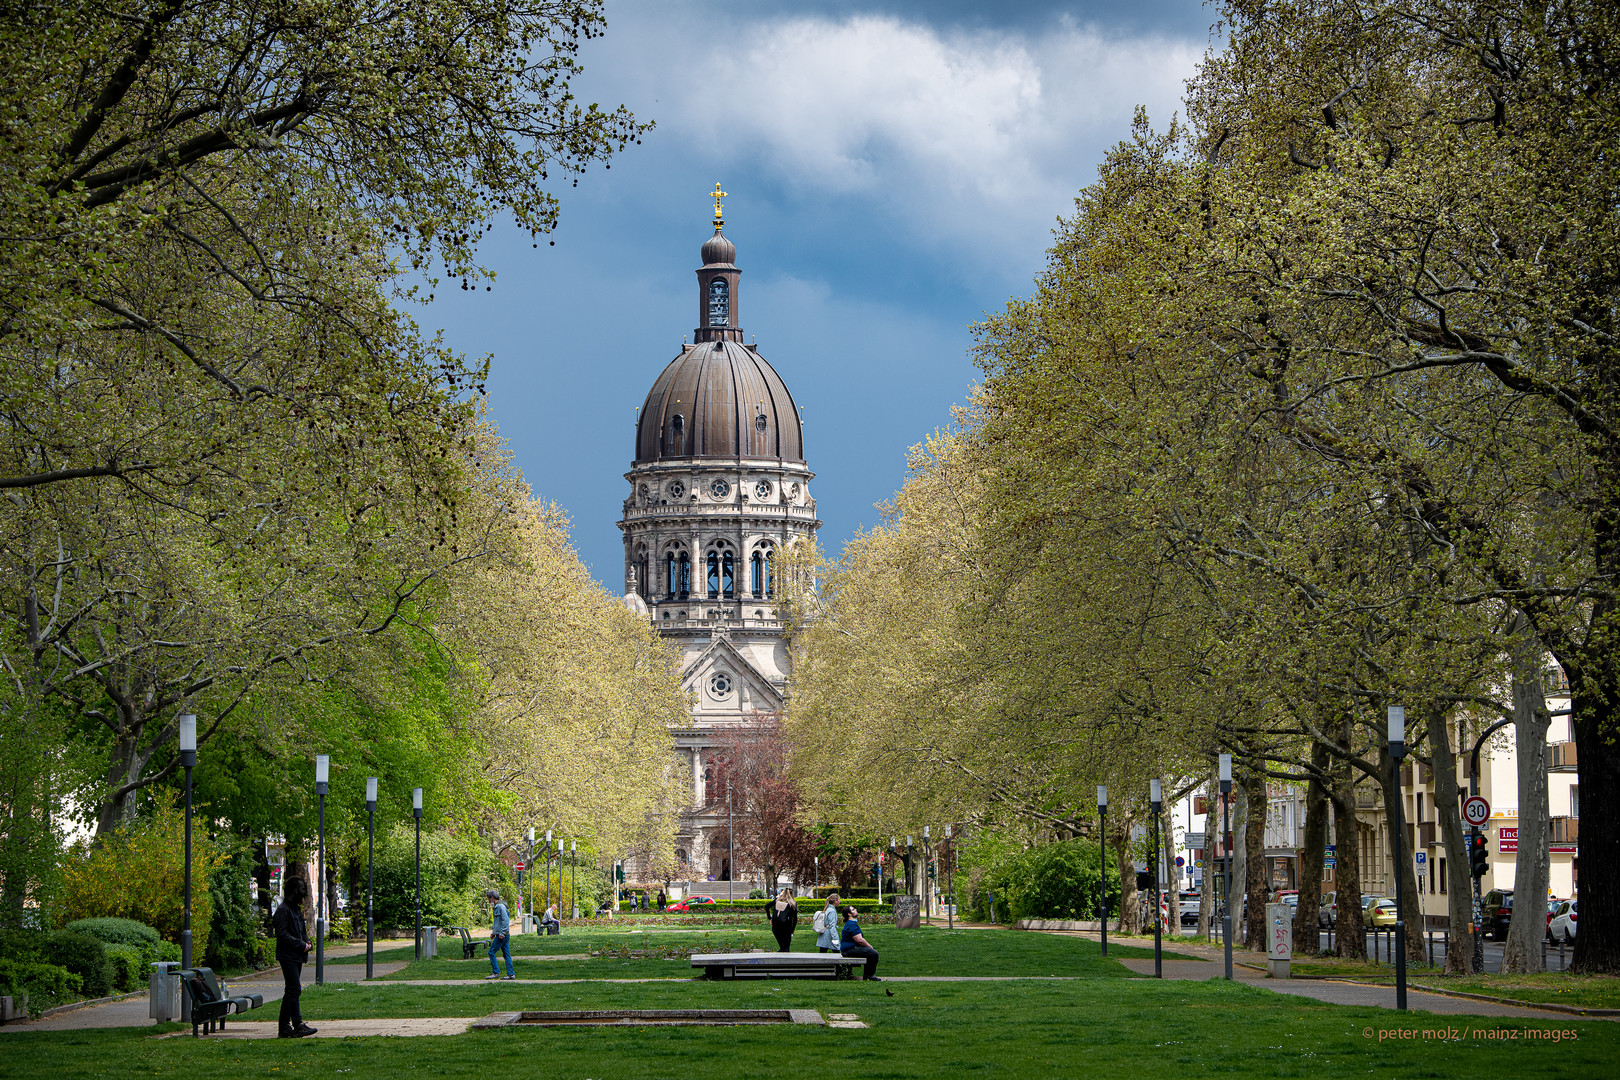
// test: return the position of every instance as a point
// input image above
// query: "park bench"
(777, 965)
(221, 1003)
(469, 947)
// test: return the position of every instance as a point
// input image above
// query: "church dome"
(719, 399)
(718, 251)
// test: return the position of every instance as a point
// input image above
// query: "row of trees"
(1312, 413)
(238, 480)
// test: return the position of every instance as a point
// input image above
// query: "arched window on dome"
(756, 576)
(685, 572)
(719, 302)
(669, 575)
(714, 575)
(675, 443)
(728, 576)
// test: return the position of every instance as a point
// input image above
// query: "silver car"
(1562, 927)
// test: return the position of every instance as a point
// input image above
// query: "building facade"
(719, 486)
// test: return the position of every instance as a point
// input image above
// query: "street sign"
(1422, 857)
(1198, 862)
(1507, 840)
(1180, 861)
(1476, 811)
(1196, 840)
(517, 866)
(1330, 861)
(1331, 848)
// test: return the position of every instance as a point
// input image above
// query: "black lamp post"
(188, 761)
(371, 847)
(573, 874)
(1155, 801)
(950, 894)
(546, 851)
(1397, 750)
(1226, 844)
(1102, 861)
(416, 811)
(559, 875)
(322, 772)
(531, 879)
(927, 886)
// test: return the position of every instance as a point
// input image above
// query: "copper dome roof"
(719, 399)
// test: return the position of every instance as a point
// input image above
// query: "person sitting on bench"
(852, 943)
(548, 920)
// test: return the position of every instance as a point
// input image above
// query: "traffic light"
(932, 865)
(1477, 850)
(618, 871)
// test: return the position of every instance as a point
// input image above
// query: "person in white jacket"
(827, 938)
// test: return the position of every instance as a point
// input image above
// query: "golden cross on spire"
(718, 195)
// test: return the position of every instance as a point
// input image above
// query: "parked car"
(1495, 912)
(1552, 909)
(1562, 927)
(1189, 909)
(1328, 914)
(691, 902)
(1377, 911)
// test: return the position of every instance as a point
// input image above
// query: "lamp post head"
(1226, 773)
(1397, 730)
(908, 842)
(531, 836)
(188, 739)
(925, 834)
(548, 838)
(371, 793)
(323, 772)
(559, 845)
(1102, 796)
(1155, 794)
(416, 803)
(573, 846)
(947, 831)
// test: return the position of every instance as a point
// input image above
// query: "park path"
(132, 1011)
(1342, 993)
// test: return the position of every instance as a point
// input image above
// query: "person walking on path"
(661, 899)
(827, 926)
(784, 916)
(854, 943)
(292, 949)
(500, 937)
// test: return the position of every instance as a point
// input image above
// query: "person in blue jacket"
(855, 944)
(500, 938)
(827, 936)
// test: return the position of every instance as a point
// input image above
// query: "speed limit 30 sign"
(1476, 811)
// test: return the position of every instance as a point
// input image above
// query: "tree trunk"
(1389, 778)
(1459, 886)
(1130, 917)
(1256, 886)
(1206, 891)
(1528, 926)
(1239, 856)
(1350, 941)
(1597, 716)
(1171, 879)
(1311, 856)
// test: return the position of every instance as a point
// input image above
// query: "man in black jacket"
(292, 948)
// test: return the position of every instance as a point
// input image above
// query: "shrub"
(113, 931)
(756, 894)
(455, 874)
(234, 923)
(138, 872)
(37, 987)
(83, 955)
(128, 967)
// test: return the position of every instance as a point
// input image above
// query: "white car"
(1562, 927)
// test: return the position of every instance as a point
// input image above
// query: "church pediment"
(725, 683)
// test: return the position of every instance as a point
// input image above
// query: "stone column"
(697, 777)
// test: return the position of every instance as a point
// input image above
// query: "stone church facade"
(719, 485)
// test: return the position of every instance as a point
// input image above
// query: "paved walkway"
(1342, 993)
(133, 1012)
(345, 1029)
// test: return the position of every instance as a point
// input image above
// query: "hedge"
(128, 967)
(115, 931)
(83, 955)
(37, 987)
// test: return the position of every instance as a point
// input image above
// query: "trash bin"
(430, 942)
(163, 992)
(529, 924)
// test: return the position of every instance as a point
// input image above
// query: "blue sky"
(894, 170)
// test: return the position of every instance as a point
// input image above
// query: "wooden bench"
(776, 965)
(205, 1014)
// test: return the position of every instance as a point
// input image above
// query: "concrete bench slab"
(768, 965)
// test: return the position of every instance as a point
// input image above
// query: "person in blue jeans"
(852, 943)
(500, 938)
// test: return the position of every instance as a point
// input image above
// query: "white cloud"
(967, 136)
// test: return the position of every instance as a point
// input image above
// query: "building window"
(714, 575)
(719, 302)
(685, 589)
(756, 575)
(669, 575)
(1442, 874)
(728, 576)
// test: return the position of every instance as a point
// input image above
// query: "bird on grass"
(886, 990)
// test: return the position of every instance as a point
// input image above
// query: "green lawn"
(905, 952)
(1103, 1023)
(1581, 991)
